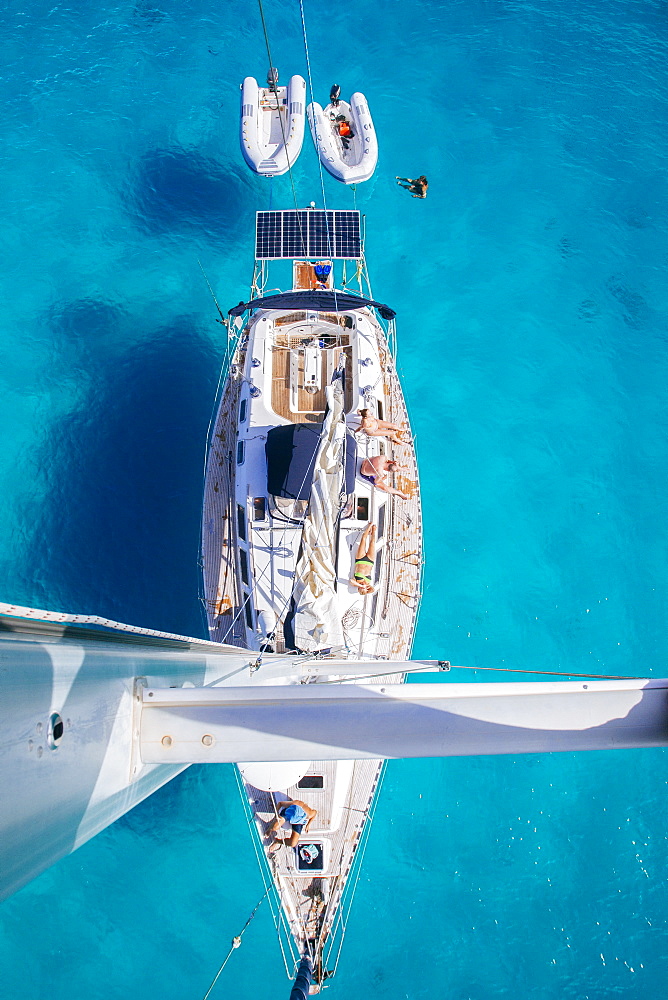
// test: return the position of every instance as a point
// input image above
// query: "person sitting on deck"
(379, 428)
(374, 469)
(298, 815)
(366, 552)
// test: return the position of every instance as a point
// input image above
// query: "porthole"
(55, 731)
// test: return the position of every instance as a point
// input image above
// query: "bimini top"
(308, 232)
(315, 301)
(291, 451)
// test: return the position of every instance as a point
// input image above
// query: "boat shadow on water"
(174, 188)
(115, 528)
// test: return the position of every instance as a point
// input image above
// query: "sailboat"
(299, 682)
(311, 400)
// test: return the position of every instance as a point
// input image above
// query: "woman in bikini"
(379, 428)
(366, 552)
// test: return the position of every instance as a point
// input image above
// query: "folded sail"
(317, 620)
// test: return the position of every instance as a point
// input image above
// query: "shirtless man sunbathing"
(379, 428)
(374, 471)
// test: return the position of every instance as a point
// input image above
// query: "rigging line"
(266, 570)
(236, 941)
(509, 670)
(220, 311)
(325, 929)
(322, 179)
(300, 919)
(280, 119)
(267, 877)
(347, 895)
(556, 673)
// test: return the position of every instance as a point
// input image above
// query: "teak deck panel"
(388, 632)
(310, 406)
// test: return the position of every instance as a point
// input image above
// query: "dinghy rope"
(322, 180)
(280, 116)
(236, 942)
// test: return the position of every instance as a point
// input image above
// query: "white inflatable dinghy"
(345, 137)
(272, 123)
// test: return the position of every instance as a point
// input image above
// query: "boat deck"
(305, 405)
(315, 895)
(219, 533)
(386, 618)
(377, 627)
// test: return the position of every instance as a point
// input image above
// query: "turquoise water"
(532, 326)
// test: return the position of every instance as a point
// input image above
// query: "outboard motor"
(334, 95)
(272, 79)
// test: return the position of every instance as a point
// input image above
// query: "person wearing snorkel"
(298, 815)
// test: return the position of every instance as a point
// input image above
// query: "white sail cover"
(317, 621)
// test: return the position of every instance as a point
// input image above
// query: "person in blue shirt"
(298, 815)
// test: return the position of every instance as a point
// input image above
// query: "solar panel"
(309, 232)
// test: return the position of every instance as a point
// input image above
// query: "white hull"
(250, 548)
(253, 547)
(272, 125)
(355, 161)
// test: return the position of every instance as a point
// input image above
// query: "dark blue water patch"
(87, 326)
(118, 532)
(635, 311)
(176, 191)
(589, 310)
(567, 248)
(175, 801)
(148, 12)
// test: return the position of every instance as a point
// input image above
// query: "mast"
(354, 722)
(87, 715)
(68, 711)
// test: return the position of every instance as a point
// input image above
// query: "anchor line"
(280, 119)
(236, 942)
(322, 180)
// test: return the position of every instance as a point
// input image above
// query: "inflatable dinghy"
(272, 123)
(345, 137)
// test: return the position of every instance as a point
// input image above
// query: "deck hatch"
(310, 857)
(312, 781)
(308, 233)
